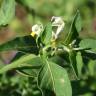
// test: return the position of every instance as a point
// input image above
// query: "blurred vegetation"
(29, 12)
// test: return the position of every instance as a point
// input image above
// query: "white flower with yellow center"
(36, 29)
(59, 23)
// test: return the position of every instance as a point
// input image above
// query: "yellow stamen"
(33, 34)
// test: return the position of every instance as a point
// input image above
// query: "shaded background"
(29, 12)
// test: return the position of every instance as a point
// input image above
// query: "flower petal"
(37, 28)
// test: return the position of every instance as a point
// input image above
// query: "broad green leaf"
(31, 71)
(54, 78)
(78, 23)
(72, 34)
(64, 62)
(26, 43)
(7, 11)
(47, 34)
(88, 44)
(79, 63)
(27, 61)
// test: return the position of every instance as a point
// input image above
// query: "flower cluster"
(56, 22)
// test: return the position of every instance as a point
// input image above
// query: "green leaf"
(78, 23)
(47, 34)
(54, 78)
(79, 63)
(26, 43)
(72, 34)
(88, 44)
(30, 61)
(7, 11)
(58, 60)
(92, 50)
(31, 71)
(73, 65)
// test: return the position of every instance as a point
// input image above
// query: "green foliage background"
(30, 12)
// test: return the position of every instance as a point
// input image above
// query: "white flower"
(59, 23)
(37, 29)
